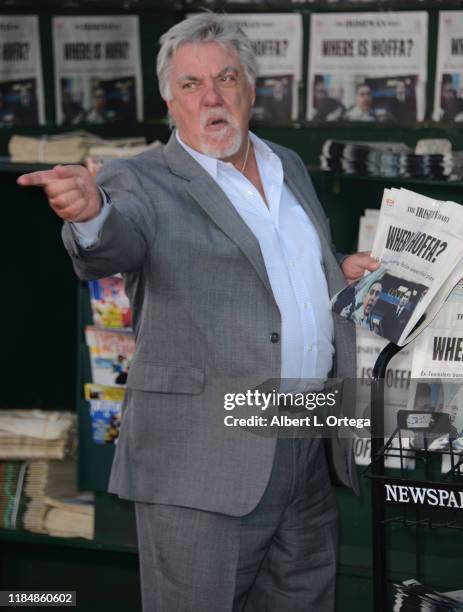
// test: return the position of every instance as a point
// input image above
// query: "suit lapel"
(210, 197)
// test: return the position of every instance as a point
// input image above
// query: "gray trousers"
(279, 558)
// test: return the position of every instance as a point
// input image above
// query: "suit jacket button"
(275, 338)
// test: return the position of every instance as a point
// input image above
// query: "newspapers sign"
(368, 66)
(277, 43)
(97, 69)
(448, 92)
(416, 494)
(21, 85)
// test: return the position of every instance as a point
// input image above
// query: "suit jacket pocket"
(160, 378)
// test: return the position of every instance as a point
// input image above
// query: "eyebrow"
(191, 77)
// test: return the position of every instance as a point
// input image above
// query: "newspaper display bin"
(430, 500)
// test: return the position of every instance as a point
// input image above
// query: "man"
(326, 107)
(98, 112)
(363, 110)
(363, 315)
(227, 260)
(398, 316)
(402, 107)
(451, 105)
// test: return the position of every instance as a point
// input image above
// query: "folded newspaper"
(419, 244)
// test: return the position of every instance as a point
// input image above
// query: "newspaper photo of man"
(364, 108)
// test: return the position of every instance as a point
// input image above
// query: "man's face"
(400, 90)
(99, 100)
(405, 298)
(448, 92)
(371, 298)
(364, 98)
(211, 98)
(320, 92)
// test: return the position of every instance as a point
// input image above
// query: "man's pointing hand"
(71, 191)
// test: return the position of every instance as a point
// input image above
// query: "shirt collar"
(212, 165)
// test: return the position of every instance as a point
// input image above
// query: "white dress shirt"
(291, 252)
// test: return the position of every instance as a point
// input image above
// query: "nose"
(212, 95)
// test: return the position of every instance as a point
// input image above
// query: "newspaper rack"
(416, 501)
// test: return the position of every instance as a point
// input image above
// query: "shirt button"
(275, 337)
(306, 305)
(292, 264)
(310, 348)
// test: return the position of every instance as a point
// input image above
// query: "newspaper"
(368, 66)
(396, 390)
(437, 370)
(367, 229)
(448, 88)
(397, 376)
(277, 42)
(419, 244)
(21, 84)
(97, 69)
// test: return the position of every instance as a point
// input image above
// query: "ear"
(253, 94)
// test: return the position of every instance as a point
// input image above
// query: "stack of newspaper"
(66, 148)
(412, 595)
(36, 434)
(38, 474)
(55, 479)
(70, 518)
(99, 154)
(72, 147)
(12, 501)
(391, 159)
(42, 496)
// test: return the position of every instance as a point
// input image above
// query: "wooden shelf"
(28, 537)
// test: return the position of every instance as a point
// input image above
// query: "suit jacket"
(203, 315)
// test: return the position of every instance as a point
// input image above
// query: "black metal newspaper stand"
(427, 516)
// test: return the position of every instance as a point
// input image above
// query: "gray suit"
(204, 314)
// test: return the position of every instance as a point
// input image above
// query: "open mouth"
(217, 123)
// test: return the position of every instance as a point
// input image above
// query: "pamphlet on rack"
(277, 41)
(419, 244)
(111, 352)
(97, 69)
(448, 86)
(21, 82)
(368, 66)
(105, 411)
(109, 302)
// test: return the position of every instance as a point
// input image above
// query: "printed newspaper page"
(437, 371)
(21, 85)
(396, 390)
(97, 69)
(448, 92)
(277, 43)
(419, 243)
(368, 66)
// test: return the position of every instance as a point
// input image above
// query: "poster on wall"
(368, 67)
(97, 69)
(448, 92)
(21, 85)
(277, 43)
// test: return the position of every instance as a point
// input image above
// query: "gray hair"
(205, 27)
